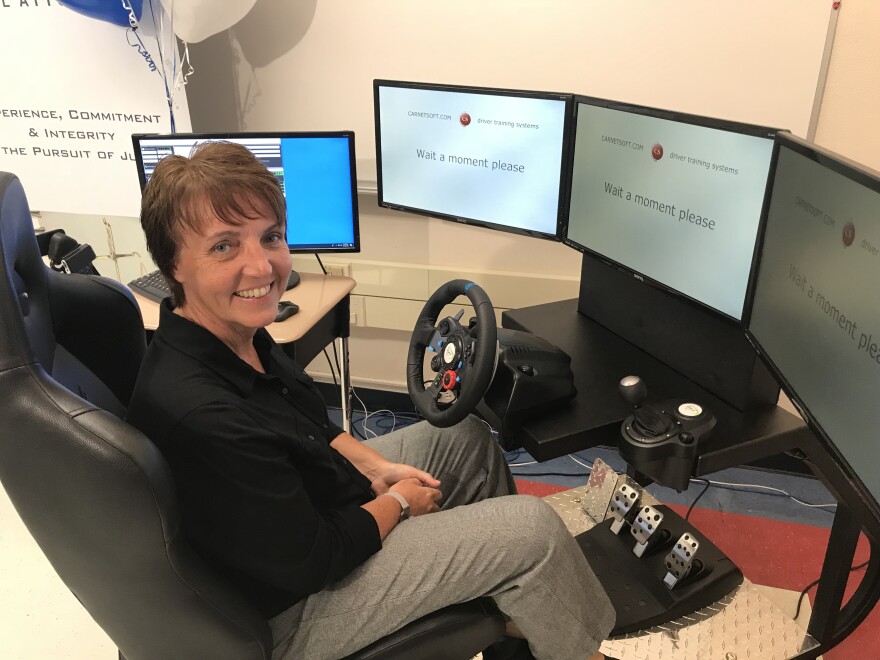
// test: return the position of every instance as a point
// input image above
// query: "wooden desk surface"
(316, 295)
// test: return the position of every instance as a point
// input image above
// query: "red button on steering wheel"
(448, 381)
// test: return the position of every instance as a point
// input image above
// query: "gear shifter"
(660, 440)
(633, 390)
(648, 421)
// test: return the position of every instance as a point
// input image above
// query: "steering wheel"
(464, 357)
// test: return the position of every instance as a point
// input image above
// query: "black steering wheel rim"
(478, 364)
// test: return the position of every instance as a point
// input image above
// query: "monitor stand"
(292, 280)
(705, 347)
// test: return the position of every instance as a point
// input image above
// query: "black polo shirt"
(263, 496)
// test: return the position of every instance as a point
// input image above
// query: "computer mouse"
(286, 309)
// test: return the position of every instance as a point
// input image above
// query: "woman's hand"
(421, 499)
(389, 474)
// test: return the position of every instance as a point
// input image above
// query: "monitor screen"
(488, 157)
(316, 172)
(815, 303)
(676, 199)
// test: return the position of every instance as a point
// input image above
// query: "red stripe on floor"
(774, 553)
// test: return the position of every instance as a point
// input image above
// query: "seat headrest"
(85, 331)
(24, 309)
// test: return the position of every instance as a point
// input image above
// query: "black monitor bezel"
(754, 130)
(564, 164)
(870, 179)
(231, 135)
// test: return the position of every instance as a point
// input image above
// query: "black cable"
(812, 584)
(332, 371)
(336, 358)
(320, 263)
(697, 499)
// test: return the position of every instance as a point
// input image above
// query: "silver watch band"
(404, 505)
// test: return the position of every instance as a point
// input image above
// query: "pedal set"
(681, 560)
(646, 529)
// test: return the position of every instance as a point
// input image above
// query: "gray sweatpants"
(513, 548)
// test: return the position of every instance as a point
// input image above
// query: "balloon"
(196, 20)
(112, 11)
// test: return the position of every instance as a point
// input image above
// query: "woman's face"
(233, 276)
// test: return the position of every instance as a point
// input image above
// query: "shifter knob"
(633, 390)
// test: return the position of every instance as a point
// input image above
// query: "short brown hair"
(224, 175)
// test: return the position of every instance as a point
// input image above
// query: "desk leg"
(345, 384)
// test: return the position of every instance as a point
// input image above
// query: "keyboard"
(152, 286)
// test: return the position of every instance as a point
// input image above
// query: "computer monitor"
(488, 157)
(674, 199)
(316, 172)
(815, 310)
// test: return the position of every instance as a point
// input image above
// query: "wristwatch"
(404, 505)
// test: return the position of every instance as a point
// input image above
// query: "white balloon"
(196, 20)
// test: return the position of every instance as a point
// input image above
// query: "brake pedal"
(645, 528)
(622, 506)
(680, 559)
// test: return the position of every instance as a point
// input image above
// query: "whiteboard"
(746, 60)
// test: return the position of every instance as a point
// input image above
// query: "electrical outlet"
(340, 270)
(357, 314)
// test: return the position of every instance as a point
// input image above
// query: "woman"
(309, 524)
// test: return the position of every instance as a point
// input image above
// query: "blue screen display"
(316, 173)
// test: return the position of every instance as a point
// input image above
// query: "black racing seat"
(97, 495)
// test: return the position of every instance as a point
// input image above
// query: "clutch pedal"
(622, 506)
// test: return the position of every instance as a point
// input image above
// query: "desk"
(323, 317)
(599, 359)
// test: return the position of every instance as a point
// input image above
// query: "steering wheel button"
(449, 379)
(449, 353)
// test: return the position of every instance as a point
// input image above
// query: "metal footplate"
(681, 559)
(646, 529)
(623, 506)
(744, 623)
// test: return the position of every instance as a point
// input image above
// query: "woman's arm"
(383, 474)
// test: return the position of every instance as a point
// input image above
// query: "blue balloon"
(112, 11)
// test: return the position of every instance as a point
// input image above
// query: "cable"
(697, 498)
(812, 584)
(332, 371)
(775, 492)
(320, 263)
(366, 415)
(589, 467)
(336, 386)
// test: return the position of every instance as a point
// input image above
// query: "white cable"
(589, 467)
(522, 464)
(386, 412)
(367, 431)
(770, 488)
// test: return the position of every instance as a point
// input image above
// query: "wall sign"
(74, 90)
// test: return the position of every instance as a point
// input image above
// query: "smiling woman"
(233, 276)
(308, 524)
(215, 225)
